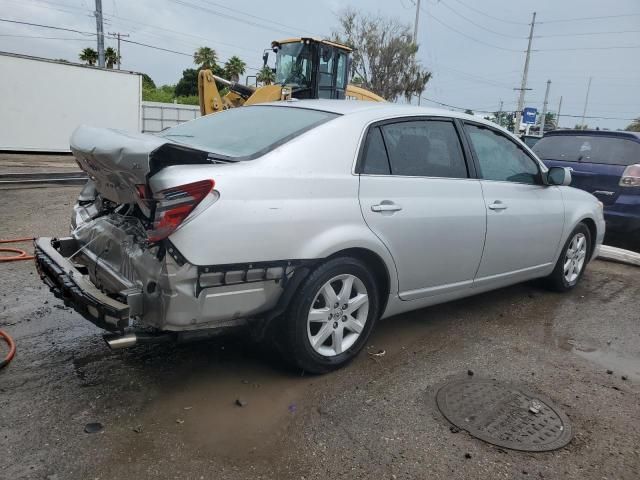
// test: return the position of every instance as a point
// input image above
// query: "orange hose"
(12, 349)
(21, 254)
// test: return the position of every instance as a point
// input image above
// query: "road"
(169, 411)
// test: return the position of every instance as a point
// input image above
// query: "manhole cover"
(504, 415)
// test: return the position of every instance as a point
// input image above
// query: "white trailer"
(43, 101)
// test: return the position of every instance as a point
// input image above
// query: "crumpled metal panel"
(115, 160)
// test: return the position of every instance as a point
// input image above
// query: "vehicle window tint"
(375, 155)
(588, 149)
(500, 158)
(248, 131)
(425, 148)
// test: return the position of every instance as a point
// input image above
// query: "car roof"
(602, 133)
(376, 109)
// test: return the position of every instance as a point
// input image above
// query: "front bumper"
(68, 283)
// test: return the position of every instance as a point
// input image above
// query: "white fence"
(157, 116)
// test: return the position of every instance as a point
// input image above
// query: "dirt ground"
(169, 411)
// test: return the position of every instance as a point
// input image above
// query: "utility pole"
(415, 25)
(544, 108)
(523, 85)
(500, 113)
(586, 101)
(415, 37)
(100, 32)
(118, 35)
(558, 116)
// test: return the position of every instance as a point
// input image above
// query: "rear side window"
(424, 148)
(247, 132)
(589, 149)
(375, 154)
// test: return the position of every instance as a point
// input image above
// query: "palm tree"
(234, 67)
(111, 57)
(266, 75)
(89, 55)
(205, 57)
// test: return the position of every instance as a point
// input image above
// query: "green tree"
(89, 56)
(266, 76)
(234, 67)
(110, 57)
(384, 55)
(634, 126)
(205, 57)
(188, 84)
(147, 82)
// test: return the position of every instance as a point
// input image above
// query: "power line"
(591, 18)
(47, 26)
(477, 24)
(43, 38)
(432, 16)
(585, 34)
(585, 48)
(227, 16)
(490, 16)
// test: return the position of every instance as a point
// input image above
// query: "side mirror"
(265, 58)
(559, 176)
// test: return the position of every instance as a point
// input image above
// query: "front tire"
(572, 261)
(331, 316)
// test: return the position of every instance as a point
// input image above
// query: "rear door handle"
(497, 205)
(386, 207)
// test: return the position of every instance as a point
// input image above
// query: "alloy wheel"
(575, 257)
(337, 315)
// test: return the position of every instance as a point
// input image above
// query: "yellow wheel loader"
(305, 68)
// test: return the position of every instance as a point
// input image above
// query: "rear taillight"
(173, 206)
(631, 176)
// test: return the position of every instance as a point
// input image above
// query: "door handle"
(386, 207)
(497, 205)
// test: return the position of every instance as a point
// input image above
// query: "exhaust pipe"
(116, 341)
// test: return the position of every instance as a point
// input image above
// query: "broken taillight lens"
(631, 176)
(173, 206)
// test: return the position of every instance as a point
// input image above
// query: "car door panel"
(525, 218)
(436, 238)
(416, 197)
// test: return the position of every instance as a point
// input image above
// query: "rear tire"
(572, 261)
(331, 316)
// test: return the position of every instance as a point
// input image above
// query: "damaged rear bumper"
(68, 283)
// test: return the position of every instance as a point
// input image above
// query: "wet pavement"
(172, 411)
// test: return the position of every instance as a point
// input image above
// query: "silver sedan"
(308, 221)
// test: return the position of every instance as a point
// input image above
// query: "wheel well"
(378, 268)
(593, 231)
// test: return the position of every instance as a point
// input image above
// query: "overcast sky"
(474, 49)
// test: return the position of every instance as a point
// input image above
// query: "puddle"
(609, 359)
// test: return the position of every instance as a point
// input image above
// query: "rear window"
(246, 132)
(588, 149)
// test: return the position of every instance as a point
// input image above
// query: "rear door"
(525, 218)
(417, 196)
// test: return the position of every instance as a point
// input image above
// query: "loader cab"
(312, 68)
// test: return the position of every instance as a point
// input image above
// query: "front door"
(417, 197)
(525, 218)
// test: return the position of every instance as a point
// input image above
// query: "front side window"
(342, 70)
(247, 132)
(501, 159)
(325, 70)
(293, 64)
(424, 148)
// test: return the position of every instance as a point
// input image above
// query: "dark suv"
(604, 163)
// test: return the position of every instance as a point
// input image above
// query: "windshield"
(293, 65)
(246, 132)
(588, 149)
